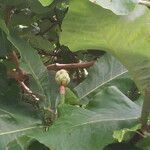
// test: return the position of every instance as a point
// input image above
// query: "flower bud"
(62, 77)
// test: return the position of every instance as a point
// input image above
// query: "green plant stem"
(62, 99)
(146, 107)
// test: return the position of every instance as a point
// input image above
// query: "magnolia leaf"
(119, 7)
(45, 2)
(88, 26)
(31, 63)
(78, 128)
(105, 70)
(95, 125)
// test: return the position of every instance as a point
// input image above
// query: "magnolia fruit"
(62, 77)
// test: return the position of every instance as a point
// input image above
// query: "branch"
(140, 134)
(28, 91)
(147, 90)
(19, 74)
(145, 2)
(13, 57)
(8, 12)
(70, 66)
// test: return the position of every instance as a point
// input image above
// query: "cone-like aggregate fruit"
(62, 77)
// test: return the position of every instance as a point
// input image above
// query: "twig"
(13, 56)
(8, 12)
(19, 74)
(145, 2)
(139, 134)
(28, 91)
(147, 91)
(70, 66)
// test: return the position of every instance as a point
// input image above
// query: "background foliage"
(103, 104)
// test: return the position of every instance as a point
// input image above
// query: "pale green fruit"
(62, 77)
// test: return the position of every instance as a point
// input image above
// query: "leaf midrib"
(105, 120)
(105, 82)
(19, 130)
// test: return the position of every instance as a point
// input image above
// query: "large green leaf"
(110, 110)
(31, 63)
(106, 69)
(78, 128)
(119, 7)
(15, 122)
(88, 26)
